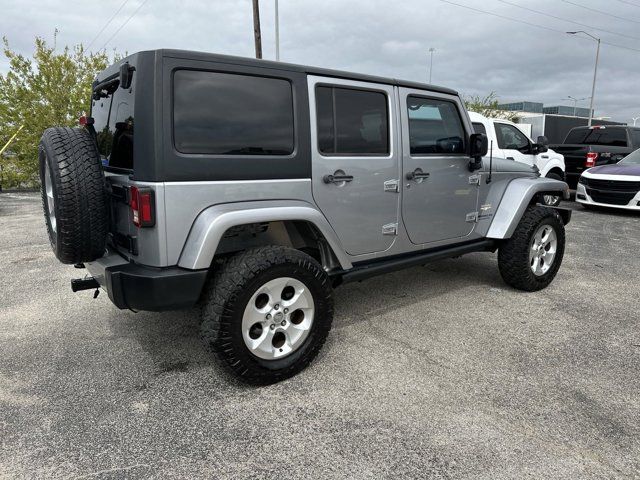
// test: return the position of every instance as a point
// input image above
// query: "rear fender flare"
(211, 224)
(518, 195)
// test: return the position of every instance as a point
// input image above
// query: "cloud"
(474, 53)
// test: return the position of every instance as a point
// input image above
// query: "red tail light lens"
(142, 207)
(591, 159)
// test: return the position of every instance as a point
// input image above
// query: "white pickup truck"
(507, 141)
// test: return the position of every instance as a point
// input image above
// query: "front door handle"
(511, 158)
(418, 175)
(338, 177)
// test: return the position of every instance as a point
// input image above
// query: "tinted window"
(510, 138)
(614, 137)
(222, 113)
(479, 128)
(635, 137)
(434, 126)
(113, 122)
(631, 159)
(352, 122)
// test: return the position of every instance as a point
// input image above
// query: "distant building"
(565, 110)
(538, 107)
(529, 107)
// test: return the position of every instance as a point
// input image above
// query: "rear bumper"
(136, 287)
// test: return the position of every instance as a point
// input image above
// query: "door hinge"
(390, 229)
(474, 180)
(472, 217)
(392, 186)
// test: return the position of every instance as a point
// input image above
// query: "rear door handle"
(510, 158)
(417, 174)
(337, 178)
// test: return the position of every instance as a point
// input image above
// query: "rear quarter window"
(232, 114)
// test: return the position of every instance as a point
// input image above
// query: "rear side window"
(434, 126)
(352, 122)
(613, 137)
(479, 128)
(231, 114)
(635, 137)
(510, 138)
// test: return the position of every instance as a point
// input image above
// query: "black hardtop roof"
(215, 57)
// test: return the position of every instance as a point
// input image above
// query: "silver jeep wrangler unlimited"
(253, 188)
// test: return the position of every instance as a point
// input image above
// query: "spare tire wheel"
(73, 194)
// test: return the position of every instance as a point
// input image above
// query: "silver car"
(254, 188)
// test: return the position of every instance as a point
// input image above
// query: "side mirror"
(540, 146)
(479, 146)
(126, 75)
(542, 140)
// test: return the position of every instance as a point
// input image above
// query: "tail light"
(591, 159)
(142, 205)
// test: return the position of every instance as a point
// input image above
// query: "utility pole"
(256, 29)
(277, 34)
(595, 71)
(431, 50)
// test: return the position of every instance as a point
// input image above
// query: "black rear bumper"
(136, 287)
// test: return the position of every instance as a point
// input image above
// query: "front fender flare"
(211, 224)
(515, 200)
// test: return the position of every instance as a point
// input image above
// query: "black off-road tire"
(557, 198)
(228, 293)
(513, 255)
(78, 187)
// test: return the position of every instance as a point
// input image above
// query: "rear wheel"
(552, 200)
(530, 259)
(73, 194)
(267, 313)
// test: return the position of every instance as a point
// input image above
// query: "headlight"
(583, 180)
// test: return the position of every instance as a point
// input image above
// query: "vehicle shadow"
(171, 340)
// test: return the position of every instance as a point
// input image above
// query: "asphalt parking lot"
(435, 372)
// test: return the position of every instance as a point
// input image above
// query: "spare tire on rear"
(73, 194)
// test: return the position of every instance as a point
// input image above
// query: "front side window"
(510, 138)
(352, 122)
(435, 126)
(232, 114)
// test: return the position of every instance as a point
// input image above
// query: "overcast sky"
(475, 53)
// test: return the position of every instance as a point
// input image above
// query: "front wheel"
(552, 200)
(530, 259)
(267, 313)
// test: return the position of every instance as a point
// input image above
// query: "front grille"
(613, 185)
(610, 197)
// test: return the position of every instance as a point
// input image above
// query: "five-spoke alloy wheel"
(530, 259)
(278, 318)
(267, 312)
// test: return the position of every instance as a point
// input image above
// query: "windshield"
(631, 159)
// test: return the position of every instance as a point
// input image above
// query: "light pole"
(575, 102)
(595, 71)
(634, 120)
(277, 33)
(431, 50)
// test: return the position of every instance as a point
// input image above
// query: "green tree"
(487, 106)
(53, 88)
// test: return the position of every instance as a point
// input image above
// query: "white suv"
(509, 142)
